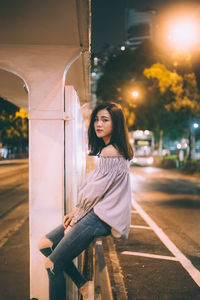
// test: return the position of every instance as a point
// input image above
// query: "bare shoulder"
(110, 151)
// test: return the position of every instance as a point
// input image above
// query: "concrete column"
(74, 158)
(43, 70)
(75, 150)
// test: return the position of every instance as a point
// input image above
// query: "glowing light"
(183, 33)
(178, 146)
(150, 160)
(195, 125)
(96, 61)
(123, 48)
(146, 132)
(135, 94)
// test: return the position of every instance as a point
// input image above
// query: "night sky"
(108, 18)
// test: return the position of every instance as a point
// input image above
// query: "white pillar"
(43, 69)
(57, 151)
(75, 149)
(74, 158)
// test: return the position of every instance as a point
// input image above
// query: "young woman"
(104, 203)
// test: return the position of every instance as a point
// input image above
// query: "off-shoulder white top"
(107, 190)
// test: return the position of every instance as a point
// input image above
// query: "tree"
(151, 114)
(13, 126)
(122, 73)
(180, 94)
(158, 87)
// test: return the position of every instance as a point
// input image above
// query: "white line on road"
(141, 227)
(12, 222)
(4, 240)
(150, 255)
(184, 261)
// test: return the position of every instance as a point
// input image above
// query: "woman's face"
(103, 125)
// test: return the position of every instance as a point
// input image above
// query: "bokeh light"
(135, 94)
(183, 33)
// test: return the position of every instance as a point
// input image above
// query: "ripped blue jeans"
(66, 247)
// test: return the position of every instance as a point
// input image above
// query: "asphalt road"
(14, 230)
(161, 259)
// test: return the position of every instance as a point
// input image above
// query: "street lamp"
(183, 33)
(135, 94)
(192, 153)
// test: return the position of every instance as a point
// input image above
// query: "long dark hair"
(119, 138)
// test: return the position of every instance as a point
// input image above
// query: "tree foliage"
(13, 126)
(181, 91)
(122, 73)
(181, 98)
(168, 101)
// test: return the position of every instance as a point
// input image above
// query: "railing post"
(103, 290)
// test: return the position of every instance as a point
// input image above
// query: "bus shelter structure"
(44, 68)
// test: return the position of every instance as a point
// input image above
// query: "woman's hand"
(67, 219)
(69, 227)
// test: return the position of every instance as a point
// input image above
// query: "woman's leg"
(70, 246)
(46, 246)
(73, 243)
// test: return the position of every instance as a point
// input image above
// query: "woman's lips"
(99, 130)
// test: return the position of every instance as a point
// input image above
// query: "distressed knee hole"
(48, 264)
(45, 243)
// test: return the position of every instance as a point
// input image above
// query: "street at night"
(166, 206)
(14, 232)
(115, 84)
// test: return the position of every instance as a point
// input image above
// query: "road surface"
(159, 261)
(14, 230)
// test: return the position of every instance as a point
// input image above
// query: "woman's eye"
(102, 120)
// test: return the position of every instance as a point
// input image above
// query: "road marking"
(150, 255)
(12, 231)
(184, 261)
(12, 222)
(141, 227)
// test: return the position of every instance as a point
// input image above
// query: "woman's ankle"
(87, 290)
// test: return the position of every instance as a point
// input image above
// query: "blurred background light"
(183, 33)
(135, 94)
(195, 125)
